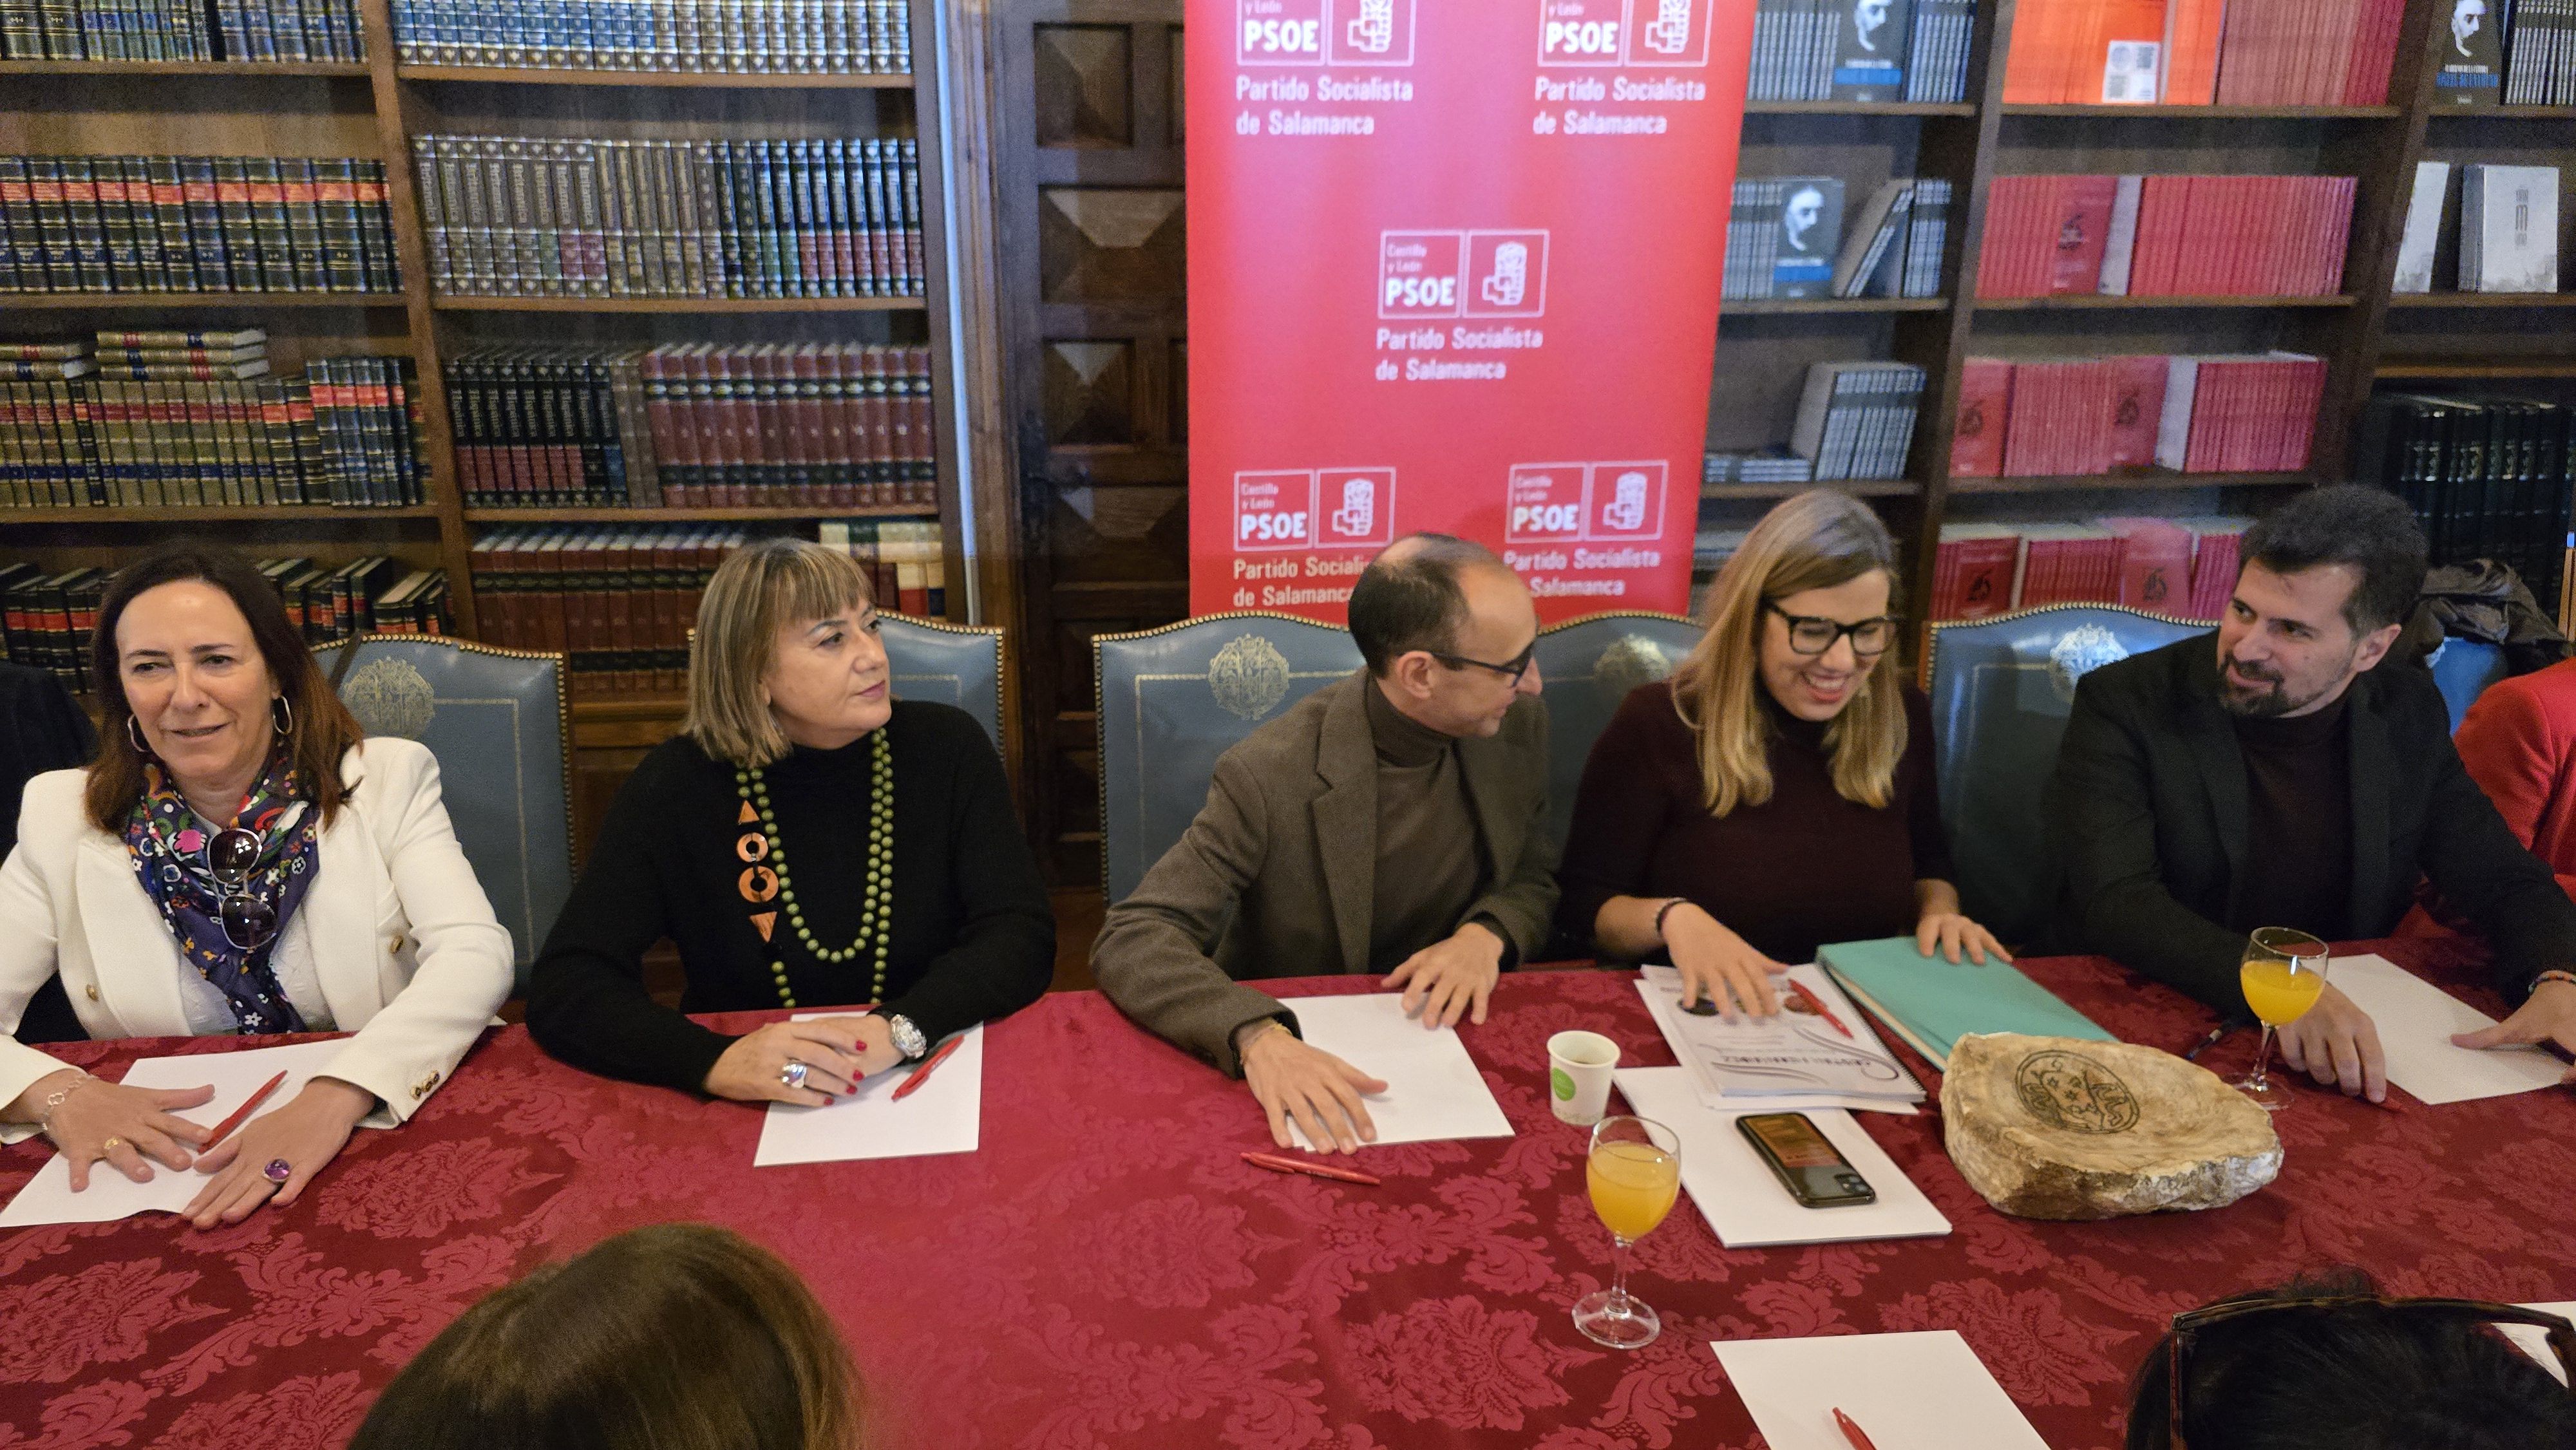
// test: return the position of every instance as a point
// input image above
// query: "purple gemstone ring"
(278, 1170)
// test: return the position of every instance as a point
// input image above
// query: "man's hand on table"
(2336, 1044)
(2548, 1017)
(1320, 1090)
(1452, 977)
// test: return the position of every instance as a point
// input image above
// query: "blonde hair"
(756, 592)
(1816, 540)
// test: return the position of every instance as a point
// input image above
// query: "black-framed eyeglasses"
(1811, 634)
(1512, 671)
(2562, 1334)
(248, 922)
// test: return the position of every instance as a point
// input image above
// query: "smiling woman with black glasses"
(236, 860)
(1777, 793)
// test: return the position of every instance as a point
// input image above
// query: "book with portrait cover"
(2468, 41)
(1810, 233)
(1870, 57)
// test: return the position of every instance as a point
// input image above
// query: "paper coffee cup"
(1578, 1076)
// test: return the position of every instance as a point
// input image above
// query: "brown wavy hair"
(1818, 539)
(681, 1336)
(324, 729)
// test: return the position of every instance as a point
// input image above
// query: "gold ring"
(111, 1145)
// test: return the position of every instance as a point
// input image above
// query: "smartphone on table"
(1805, 1161)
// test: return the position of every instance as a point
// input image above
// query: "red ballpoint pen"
(1278, 1164)
(1817, 1005)
(1852, 1431)
(225, 1128)
(927, 1063)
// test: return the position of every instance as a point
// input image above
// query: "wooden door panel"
(1092, 241)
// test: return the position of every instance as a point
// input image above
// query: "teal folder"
(1932, 1004)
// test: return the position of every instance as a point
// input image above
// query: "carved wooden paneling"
(1091, 247)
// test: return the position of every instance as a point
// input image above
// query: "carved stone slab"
(2059, 1127)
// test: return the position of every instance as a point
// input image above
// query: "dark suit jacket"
(41, 729)
(2146, 816)
(1278, 874)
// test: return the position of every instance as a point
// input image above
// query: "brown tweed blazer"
(1276, 877)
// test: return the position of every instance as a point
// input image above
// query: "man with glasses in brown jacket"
(1388, 823)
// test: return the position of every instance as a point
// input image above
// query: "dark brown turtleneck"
(1430, 861)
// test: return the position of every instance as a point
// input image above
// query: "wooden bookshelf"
(680, 80)
(2213, 113)
(1819, 306)
(1858, 108)
(2483, 299)
(2412, 368)
(2088, 302)
(1865, 488)
(2122, 482)
(405, 101)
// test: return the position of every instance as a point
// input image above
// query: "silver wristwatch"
(907, 1038)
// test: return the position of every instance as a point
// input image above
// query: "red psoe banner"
(1454, 265)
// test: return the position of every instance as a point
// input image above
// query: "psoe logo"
(1628, 500)
(1573, 503)
(1623, 32)
(1461, 274)
(1274, 509)
(1324, 32)
(1358, 507)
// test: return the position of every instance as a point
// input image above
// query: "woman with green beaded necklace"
(910, 895)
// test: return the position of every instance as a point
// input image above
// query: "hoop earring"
(134, 733)
(277, 707)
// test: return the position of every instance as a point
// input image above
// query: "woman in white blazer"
(237, 860)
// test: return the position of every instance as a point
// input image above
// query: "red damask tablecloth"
(1106, 1272)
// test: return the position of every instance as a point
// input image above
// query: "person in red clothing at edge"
(1777, 793)
(2518, 743)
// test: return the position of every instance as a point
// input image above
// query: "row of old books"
(2480, 228)
(803, 37)
(1875, 51)
(1785, 237)
(619, 602)
(2183, 567)
(1775, 464)
(2203, 52)
(536, 217)
(46, 617)
(2165, 236)
(1856, 419)
(2488, 477)
(195, 224)
(2189, 413)
(195, 419)
(2539, 58)
(817, 425)
(224, 30)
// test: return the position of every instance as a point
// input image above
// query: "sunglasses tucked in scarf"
(227, 893)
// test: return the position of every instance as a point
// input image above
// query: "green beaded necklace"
(876, 916)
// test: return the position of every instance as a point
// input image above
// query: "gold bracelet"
(54, 1099)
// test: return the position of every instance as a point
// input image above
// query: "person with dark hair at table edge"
(237, 860)
(2269, 775)
(807, 840)
(1389, 823)
(680, 1336)
(1776, 793)
(2327, 1364)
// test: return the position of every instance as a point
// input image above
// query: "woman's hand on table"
(305, 1135)
(1951, 933)
(1717, 964)
(127, 1128)
(2548, 1016)
(837, 1053)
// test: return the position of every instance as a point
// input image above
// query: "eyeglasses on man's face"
(1811, 634)
(1511, 671)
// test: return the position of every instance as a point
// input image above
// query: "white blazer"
(409, 955)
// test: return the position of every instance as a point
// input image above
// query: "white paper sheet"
(1921, 1391)
(1433, 1090)
(1738, 1194)
(946, 1115)
(1790, 1062)
(48, 1197)
(2535, 1341)
(2415, 1021)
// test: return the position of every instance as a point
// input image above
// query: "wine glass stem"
(1618, 1275)
(2263, 1059)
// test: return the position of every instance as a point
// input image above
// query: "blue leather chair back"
(2001, 691)
(1171, 700)
(1586, 667)
(2462, 669)
(498, 723)
(953, 664)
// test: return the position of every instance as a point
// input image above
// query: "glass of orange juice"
(2283, 972)
(1634, 1172)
